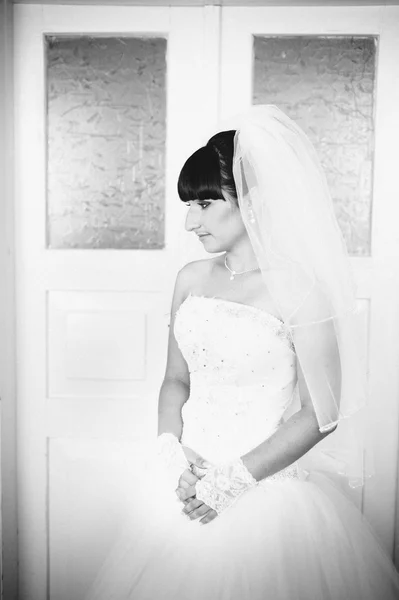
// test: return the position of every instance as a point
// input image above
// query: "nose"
(193, 219)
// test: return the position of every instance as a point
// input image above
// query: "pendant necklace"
(234, 273)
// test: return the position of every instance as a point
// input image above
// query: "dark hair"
(209, 171)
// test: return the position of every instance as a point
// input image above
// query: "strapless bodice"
(242, 367)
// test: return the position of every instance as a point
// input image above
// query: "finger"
(188, 477)
(186, 493)
(199, 472)
(186, 500)
(210, 515)
(180, 493)
(181, 489)
(183, 484)
(191, 504)
(193, 457)
(199, 512)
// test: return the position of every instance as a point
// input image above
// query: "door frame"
(8, 456)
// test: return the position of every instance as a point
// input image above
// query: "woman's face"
(217, 223)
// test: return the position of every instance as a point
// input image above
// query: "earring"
(251, 214)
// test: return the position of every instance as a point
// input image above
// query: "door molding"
(220, 3)
(8, 455)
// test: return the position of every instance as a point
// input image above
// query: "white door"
(335, 71)
(102, 131)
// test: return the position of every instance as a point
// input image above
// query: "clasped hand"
(193, 508)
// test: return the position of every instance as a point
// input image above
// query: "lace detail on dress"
(255, 314)
(222, 485)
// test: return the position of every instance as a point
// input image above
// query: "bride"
(244, 495)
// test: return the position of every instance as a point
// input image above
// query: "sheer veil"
(288, 212)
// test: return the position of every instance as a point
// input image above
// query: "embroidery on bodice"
(242, 374)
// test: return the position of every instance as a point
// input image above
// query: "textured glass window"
(106, 124)
(327, 85)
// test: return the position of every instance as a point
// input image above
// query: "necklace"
(234, 273)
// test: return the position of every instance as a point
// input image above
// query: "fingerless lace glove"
(170, 457)
(222, 485)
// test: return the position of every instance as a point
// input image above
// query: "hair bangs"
(200, 177)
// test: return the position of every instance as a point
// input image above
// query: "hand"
(170, 457)
(196, 460)
(223, 484)
(198, 468)
(193, 507)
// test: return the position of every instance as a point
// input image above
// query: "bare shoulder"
(190, 279)
(195, 273)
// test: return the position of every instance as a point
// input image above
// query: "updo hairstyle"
(208, 173)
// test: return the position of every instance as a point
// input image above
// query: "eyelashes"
(203, 205)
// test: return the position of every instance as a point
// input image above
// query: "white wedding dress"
(289, 538)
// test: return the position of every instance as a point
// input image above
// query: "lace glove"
(170, 457)
(222, 485)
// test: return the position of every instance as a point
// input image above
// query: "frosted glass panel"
(106, 102)
(327, 85)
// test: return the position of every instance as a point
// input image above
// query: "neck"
(241, 257)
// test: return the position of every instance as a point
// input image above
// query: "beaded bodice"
(242, 375)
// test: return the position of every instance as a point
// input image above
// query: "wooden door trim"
(8, 479)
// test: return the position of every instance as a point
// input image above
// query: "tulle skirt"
(291, 539)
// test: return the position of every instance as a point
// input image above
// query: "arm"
(291, 441)
(175, 388)
(301, 431)
(173, 394)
